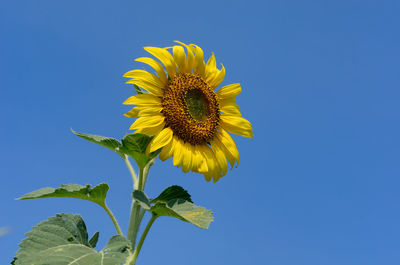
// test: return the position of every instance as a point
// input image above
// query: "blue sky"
(318, 184)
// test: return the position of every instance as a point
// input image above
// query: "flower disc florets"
(191, 109)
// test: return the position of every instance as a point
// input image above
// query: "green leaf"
(135, 146)
(175, 202)
(63, 240)
(96, 194)
(142, 199)
(185, 211)
(107, 142)
(173, 192)
(94, 239)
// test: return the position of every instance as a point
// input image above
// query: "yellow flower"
(189, 121)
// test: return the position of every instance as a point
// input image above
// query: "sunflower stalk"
(132, 259)
(137, 212)
(133, 223)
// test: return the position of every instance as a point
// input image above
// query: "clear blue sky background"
(318, 184)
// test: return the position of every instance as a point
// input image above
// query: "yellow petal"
(226, 101)
(232, 109)
(237, 125)
(227, 144)
(151, 131)
(150, 87)
(190, 57)
(165, 57)
(198, 65)
(148, 121)
(208, 176)
(178, 152)
(198, 161)
(145, 76)
(229, 91)
(180, 58)
(216, 78)
(160, 140)
(133, 113)
(195, 159)
(211, 66)
(187, 157)
(167, 151)
(156, 66)
(203, 167)
(213, 167)
(220, 156)
(148, 110)
(143, 99)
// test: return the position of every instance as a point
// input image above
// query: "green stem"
(146, 172)
(141, 214)
(113, 219)
(132, 260)
(129, 165)
(137, 212)
(140, 185)
(132, 229)
(134, 220)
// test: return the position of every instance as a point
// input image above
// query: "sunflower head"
(188, 118)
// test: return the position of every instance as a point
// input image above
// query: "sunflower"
(188, 119)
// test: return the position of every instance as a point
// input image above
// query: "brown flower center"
(191, 109)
